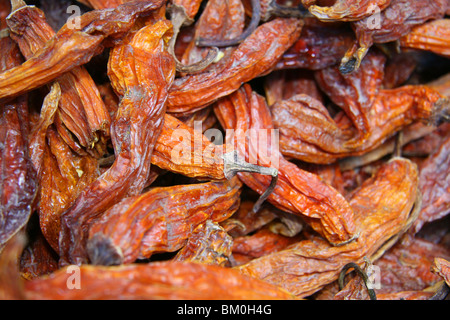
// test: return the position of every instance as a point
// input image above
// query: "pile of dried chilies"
(225, 149)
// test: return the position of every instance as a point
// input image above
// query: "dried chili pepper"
(228, 26)
(432, 36)
(18, 184)
(141, 71)
(72, 47)
(284, 84)
(355, 93)
(159, 280)
(63, 175)
(347, 10)
(391, 111)
(296, 190)
(254, 22)
(382, 206)
(161, 219)
(82, 110)
(320, 45)
(38, 258)
(259, 244)
(209, 243)
(442, 268)
(390, 25)
(255, 56)
(407, 265)
(182, 13)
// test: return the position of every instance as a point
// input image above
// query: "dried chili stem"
(254, 22)
(441, 292)
(234, 164)
(4, 33)
(361, 273)
(178, 19)
(352, 59)
(276, 10)
(398, 144)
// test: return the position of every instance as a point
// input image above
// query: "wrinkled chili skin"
(18, 183)
(296, 191)
(160, 220)
(435, 186)
(355, 93)
(63, 176)
(442, 267)
(81, 108)
(253, 57)
(141, 71)
(159, 280)
(220, 20)
(73, 47)
(397, 20)
(306, 267)
(348, 10)
(407, 265)
(432, 36)
(391, 111)
(319, 46)
(209, 243)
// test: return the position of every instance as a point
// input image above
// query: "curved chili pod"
(253, 57)
(392, 110)
(160, 220)
(63, 175)
(72, 47)
(81, 108)
(389, 25)
(141, 71)
(297, 191)
(355, 93)
(382, 206)
(159, 280)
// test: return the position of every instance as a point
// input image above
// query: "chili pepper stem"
(398, 144)
(276, 10)
(4, 33)
(442, 292)
(352, 59)
(102, 251)
(180, 18)
(234, 164)
(361, 273)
